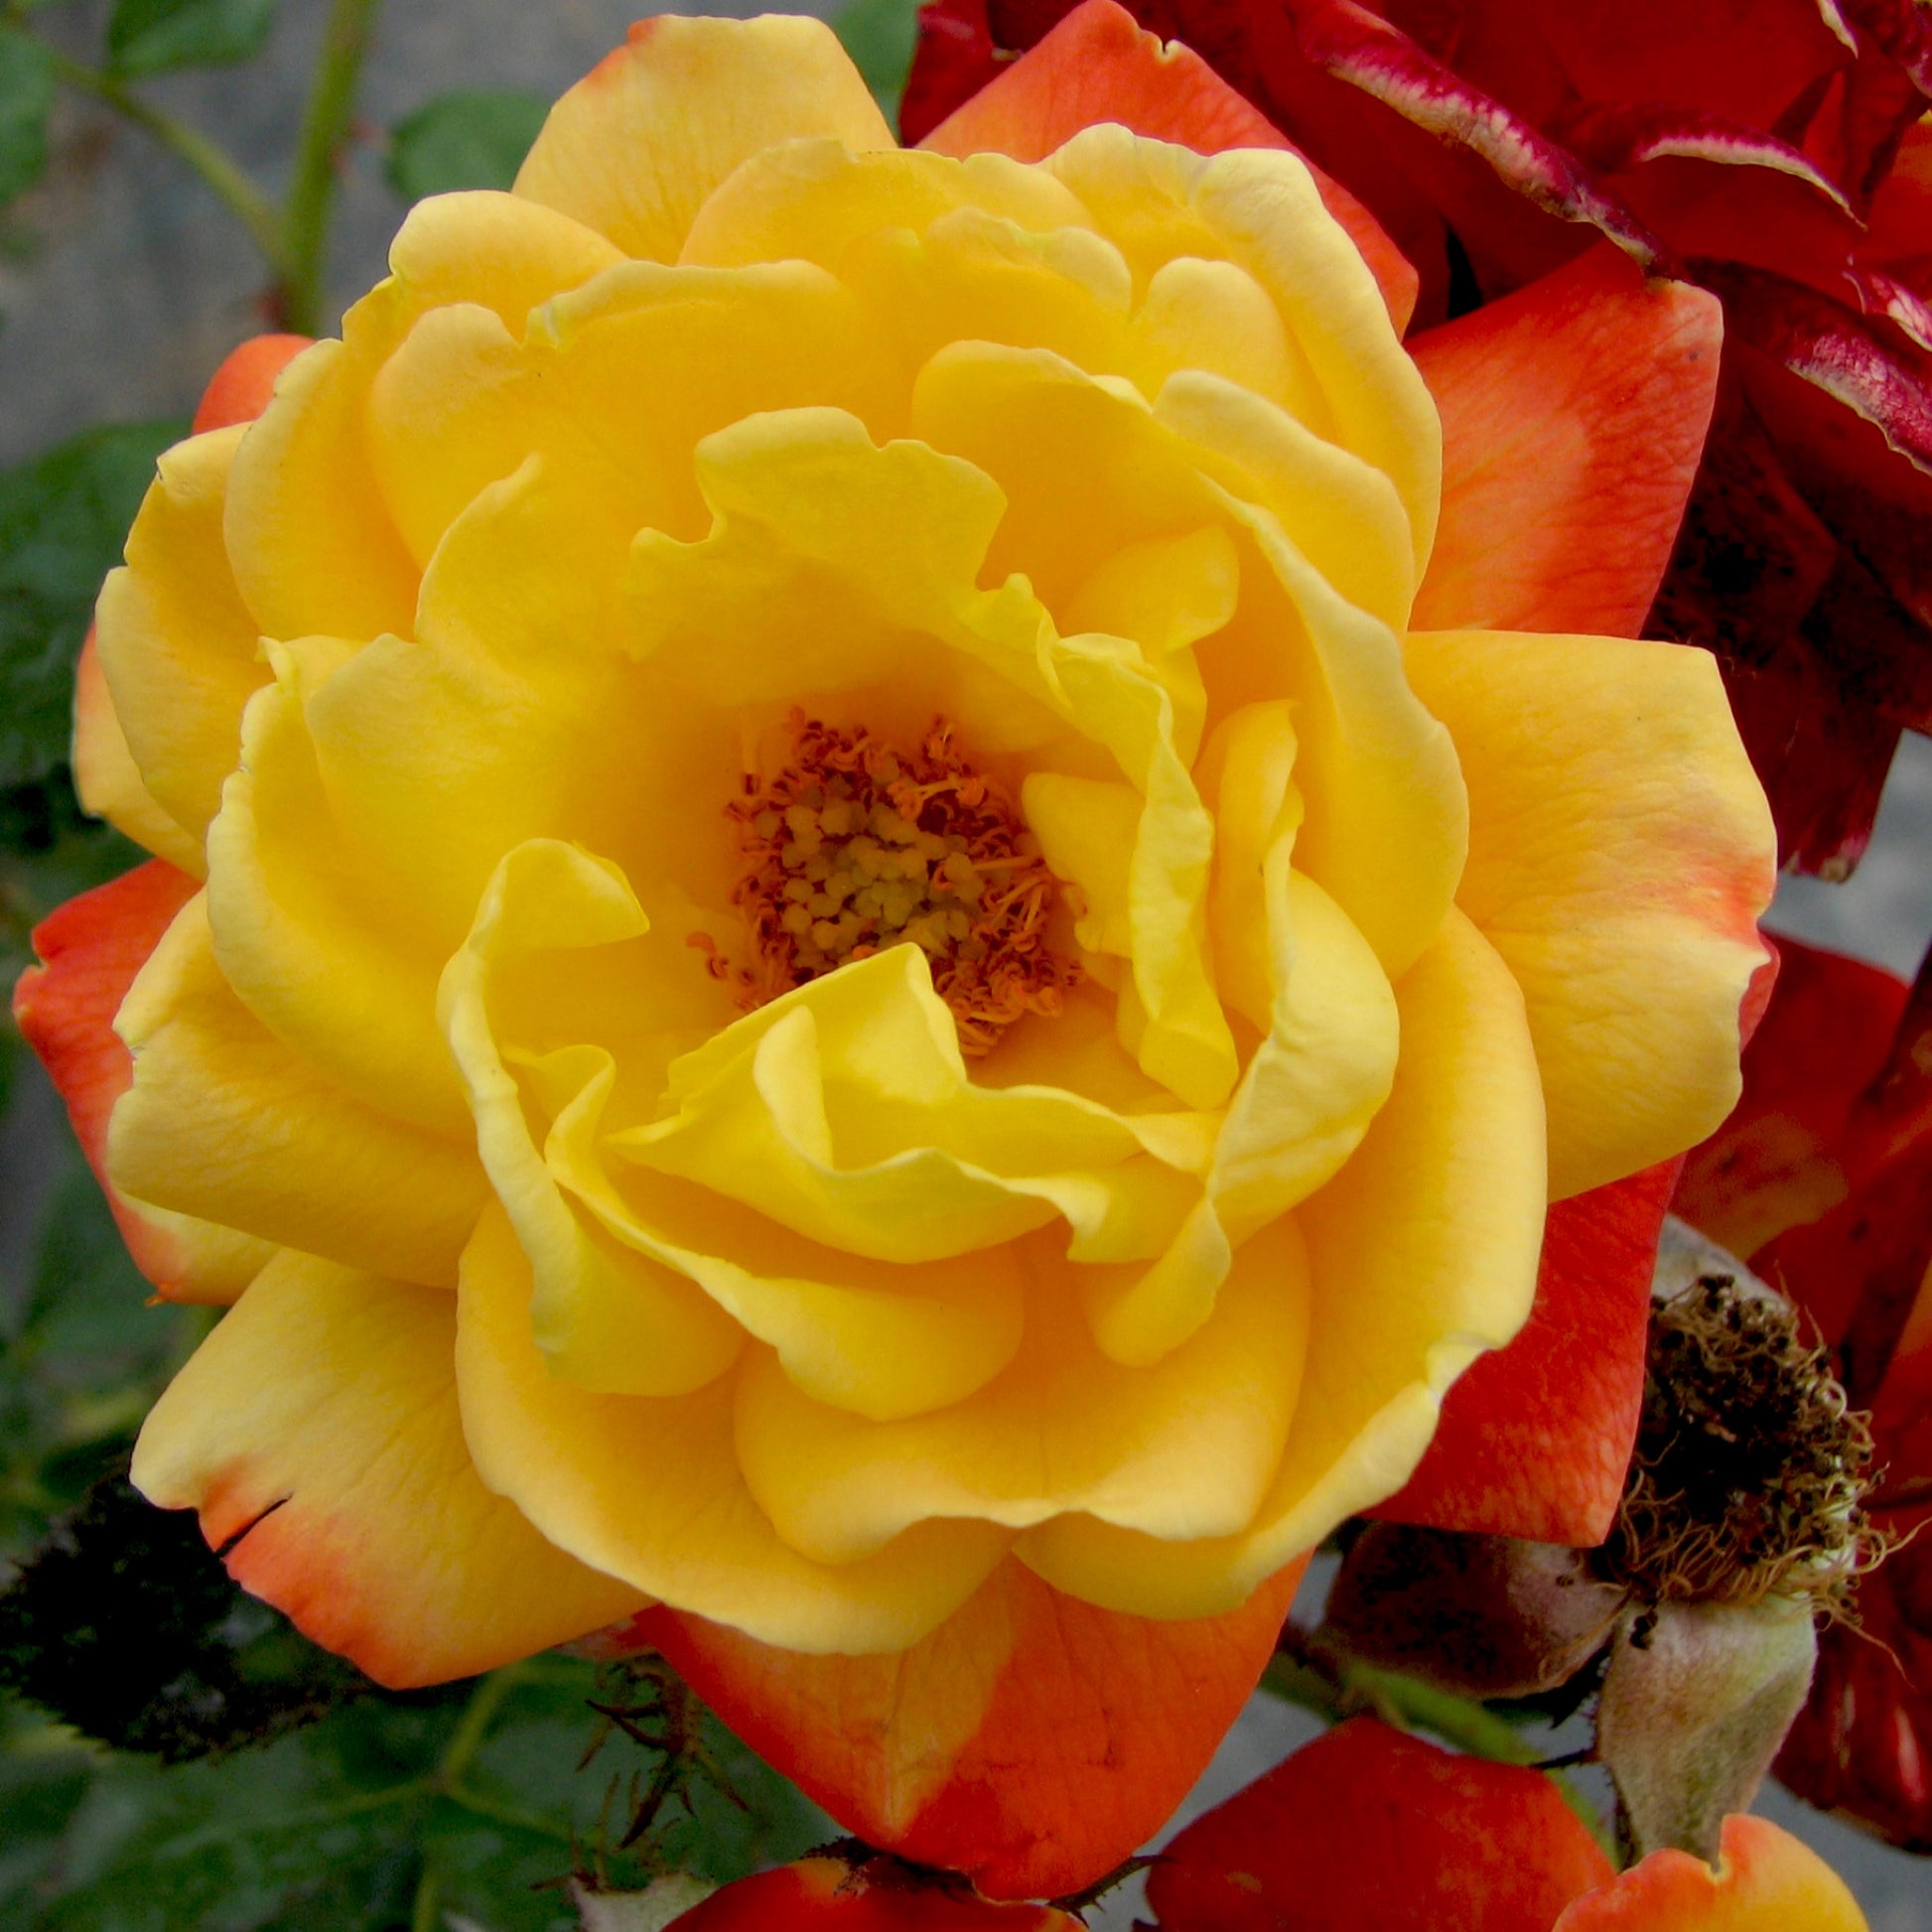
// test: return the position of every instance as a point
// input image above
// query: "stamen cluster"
(853, 847)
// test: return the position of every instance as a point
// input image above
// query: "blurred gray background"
(122, 283)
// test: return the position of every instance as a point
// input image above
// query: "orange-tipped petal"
(1573, 414)
(90, 949)
(1098, 64)
(1369, 1830)
(1031, 1742)
(1534, 1438)
(240, 389)
(318, 1433)
(879, 1895)
(1765, 1881)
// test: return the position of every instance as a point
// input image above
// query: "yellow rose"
(846, 941)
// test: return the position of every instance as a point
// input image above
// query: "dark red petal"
(1534, 1438)
(1369, 1830)
(952, 59)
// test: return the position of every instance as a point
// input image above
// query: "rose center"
(854, 846)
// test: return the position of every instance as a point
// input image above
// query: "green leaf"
(391, 1811)
(879, 35)
(156, 36)
(474, 139)
(26, 95)
(63, 519)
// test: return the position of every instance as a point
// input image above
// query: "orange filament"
(854, 847)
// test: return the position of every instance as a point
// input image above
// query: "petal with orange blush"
(1030, 1742)
(635, 148)
(1098, 64)
(92, 949)
(1765, 1881)
(317, 1432)
(1536, 1438)
(1574, 414)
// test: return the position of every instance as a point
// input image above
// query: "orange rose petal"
(91, 948)
(1574, 414)
(1534, 1437)
(830, 1893)
(242, 388)
(1098, 64)
(1765, 1881)
(1370, 1829)
(1031, 1742)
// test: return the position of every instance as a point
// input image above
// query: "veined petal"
(648, 1490)
(316, 1432)
(92, 947)
(1422, 1253)
(635, 148)
(1620, 852)
(1574, 414)
(1030, 1740)
(224, 1121)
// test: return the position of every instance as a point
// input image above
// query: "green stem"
(312, 186)
(486, 1701)
(423, 1913)
(249, 205)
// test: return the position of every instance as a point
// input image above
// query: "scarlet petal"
(1031, 1742)
(954, 59)
(879, 1896)
(240, 389)
(91, 948)
(1369, 1830)
(1536, 1438)
(1097, 65)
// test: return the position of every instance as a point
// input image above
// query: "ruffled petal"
(635, 148)
(1098, 64)
(1620, 852)
(648, 1490)
(1422, 1253)
(316, 1432)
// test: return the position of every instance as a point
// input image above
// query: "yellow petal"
(317, 1432)
(635, 148)
(1620, 851)
(649, 1491)
(297, 938)
(1423, 1252)
(179, 648)
(105, 778)
(1183, 1449)
(226, 1123)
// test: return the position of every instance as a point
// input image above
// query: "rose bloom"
(1823, 1177)
(1773, 151)
(832, 958)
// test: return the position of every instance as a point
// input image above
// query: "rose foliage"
(1771, 151)
(888, 888)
